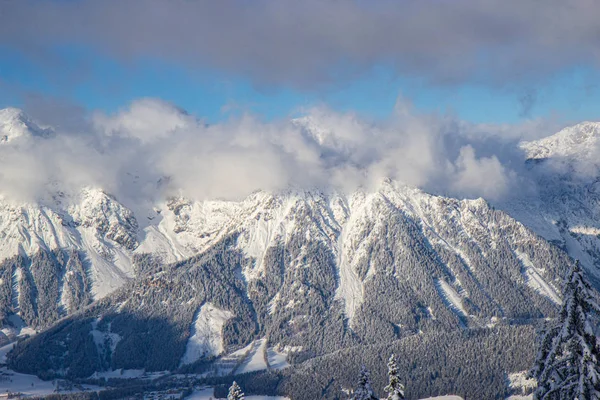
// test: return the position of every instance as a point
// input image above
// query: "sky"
(488, 61)
(216, 99)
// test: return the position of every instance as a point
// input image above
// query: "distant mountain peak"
(581, 140)
(14, 123)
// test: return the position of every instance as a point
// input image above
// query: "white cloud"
(129, 152)
(485, 177)
(148, 120)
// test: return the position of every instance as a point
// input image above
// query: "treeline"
(472, 364)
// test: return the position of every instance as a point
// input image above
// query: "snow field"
(207, 333)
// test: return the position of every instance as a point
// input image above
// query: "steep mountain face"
(364, 233)
(312, 272)
(57, 257)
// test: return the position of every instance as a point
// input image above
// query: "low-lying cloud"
(152, 149)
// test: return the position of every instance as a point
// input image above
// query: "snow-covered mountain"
(95, 224)
(578, 141)
(566, 208)
(107, 235)
(310, 271)
(298, 272)
(352, 228)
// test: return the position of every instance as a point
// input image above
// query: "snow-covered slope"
(93, 223)
(354, 228)
(207, 338)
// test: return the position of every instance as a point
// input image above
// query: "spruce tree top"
(235, 392)
(395, 388)
(567, 365)
(363, 388)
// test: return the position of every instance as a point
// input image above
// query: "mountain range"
(287, 282)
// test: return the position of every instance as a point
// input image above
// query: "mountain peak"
(579, 140)
(14, 123)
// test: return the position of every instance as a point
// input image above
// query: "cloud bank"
(313, 42)
(152, 149)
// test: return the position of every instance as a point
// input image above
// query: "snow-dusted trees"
(394, 389)
(48, 283)
(567, 365)
(235, 392)
(363, 389)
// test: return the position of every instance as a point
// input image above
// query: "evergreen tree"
(235, 392)
(363, 390)
(394, 389)
(567, 365)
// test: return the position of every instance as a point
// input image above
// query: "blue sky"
(502, 69)
(98, 81)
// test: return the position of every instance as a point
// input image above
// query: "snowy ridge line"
(579, 140)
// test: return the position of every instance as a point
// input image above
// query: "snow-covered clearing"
(101, 338)
(255, 360)
(29, 385)
(534, 279)
(207, 333)
(451, 298)
(4, 351)
(16, 327)
(277, 358)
